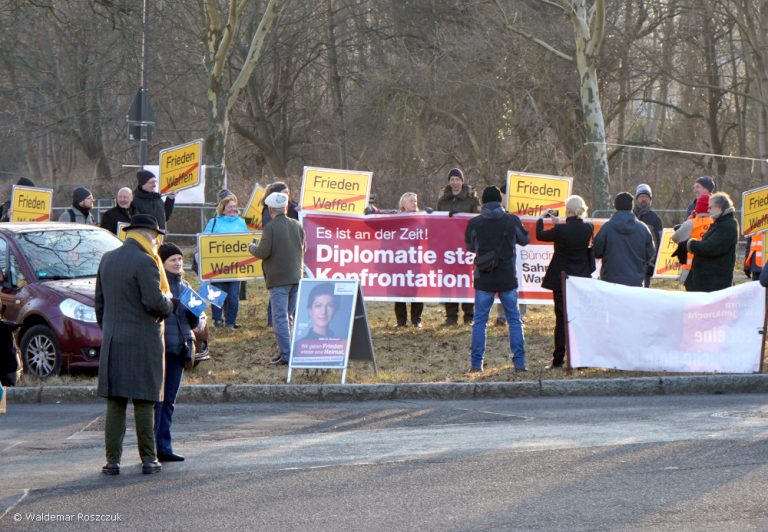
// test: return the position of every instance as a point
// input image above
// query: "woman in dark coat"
(179, 339)
(571, 256)
(714, 256)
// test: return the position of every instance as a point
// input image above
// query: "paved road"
(630, 463)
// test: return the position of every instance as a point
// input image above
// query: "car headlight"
(77, 311)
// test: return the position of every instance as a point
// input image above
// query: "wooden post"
(765, 325)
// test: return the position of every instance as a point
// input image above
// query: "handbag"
(188, 354)
(490, 260)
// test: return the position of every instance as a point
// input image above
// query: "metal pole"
(144, 103)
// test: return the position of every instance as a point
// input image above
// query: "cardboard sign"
(254, 208)
(532, 194)
(667, 266)
(180, 167)
(225, 257)
(336, 191)
(30, 204)
(754, 211)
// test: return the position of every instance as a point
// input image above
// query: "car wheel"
(40, 352)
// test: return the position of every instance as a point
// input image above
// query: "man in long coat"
(132, 300)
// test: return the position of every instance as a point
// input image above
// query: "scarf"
(641, 211)
(147, 246)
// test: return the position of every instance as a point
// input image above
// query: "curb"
(263, 393)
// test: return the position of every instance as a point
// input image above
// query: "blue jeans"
(483, 303)
(174, 369)
(283, 301)
(231, 304)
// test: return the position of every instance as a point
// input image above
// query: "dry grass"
(430, 354)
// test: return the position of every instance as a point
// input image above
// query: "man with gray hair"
(281, 249)
(120, 213)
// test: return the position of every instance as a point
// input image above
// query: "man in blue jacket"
(492, 237)
(625, 245)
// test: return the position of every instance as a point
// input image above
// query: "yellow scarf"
(146, 245)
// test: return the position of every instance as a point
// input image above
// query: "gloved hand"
(175, 301)
(450, 214)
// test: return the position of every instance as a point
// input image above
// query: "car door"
(13, 282)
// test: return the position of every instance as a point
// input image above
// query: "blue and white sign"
(213, 295)
(193, 301)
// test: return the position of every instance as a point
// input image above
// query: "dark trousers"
(174, 369)
(558, 355)
(452, 312)
(401, 312)
(231, 304)
(114, 428)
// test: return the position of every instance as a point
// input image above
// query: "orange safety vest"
(756, 249)
(700, 226)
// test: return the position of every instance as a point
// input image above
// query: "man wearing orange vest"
(753, 263)
(693, 228)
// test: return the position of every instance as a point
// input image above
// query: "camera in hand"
(549, 213)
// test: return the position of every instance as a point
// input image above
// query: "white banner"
(621, 327)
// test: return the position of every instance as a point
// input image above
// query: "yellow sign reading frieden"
(225, 257)
(254, 208)
(339, 191)
(30, 204)
(667, 266)
(533, 194)
(754, 211)
(180, 167)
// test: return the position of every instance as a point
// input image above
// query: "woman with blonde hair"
(572, 256)
(409, 202)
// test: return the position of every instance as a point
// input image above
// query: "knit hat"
(169, 249)
(79, 194)
(276, 200)
(456, 172)
(223, 193)
(643, 189)
(25, 182)
(702, 204)
(491, 194)
(623, 201)
(707, 182)
(143, 176)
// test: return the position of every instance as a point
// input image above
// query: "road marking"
(11, 446)
(14, 505)
(76, 434)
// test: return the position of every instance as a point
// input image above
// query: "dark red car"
(48, 285)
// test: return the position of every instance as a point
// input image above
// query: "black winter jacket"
(714, 256)
(571, 247)
(179, 325)
(626, 246)
(464, 201)
(152, 203)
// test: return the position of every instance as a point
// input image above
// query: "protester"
(120, 213)
(5, 208)
(281, 249)
(132, 298)
(227, 220)
(571, 256)
(409, 202)
(458, 197)
(147, 201)
(692, 228)
(714, 256)
(179, 346)
(625, 245)
(753, 257)
(492, 237)
(82, 205)
(703, 185)
(644, 213)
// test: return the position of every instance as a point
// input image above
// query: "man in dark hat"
(703, 185)
(146, 199)
(5, 208)
(133, 298)
(120, 213)
(458, 197)
(645, 213)
(82, 205)
(625, 245)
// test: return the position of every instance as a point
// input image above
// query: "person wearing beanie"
(5, 208)
(227, 220)
(714, 254)
(492, 237)
(80, 212)
(625, 245)
(293, 207)
(120, 213)
(146, 199)
(695, 227)
(703, 185)
(179, 351)
(644, 213)
(458, 197)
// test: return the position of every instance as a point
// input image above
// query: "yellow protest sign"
(225, 257)
(532, 194)
(254, 208)
(667, 266)
(339, 191)
(180, 167)
(754, 211)
(30, 204)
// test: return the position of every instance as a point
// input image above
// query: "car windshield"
(66, 254)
